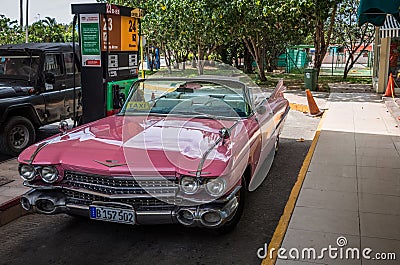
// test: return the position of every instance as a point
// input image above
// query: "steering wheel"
(209, 102)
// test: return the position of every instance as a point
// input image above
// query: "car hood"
(138, 145)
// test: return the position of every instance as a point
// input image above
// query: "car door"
(54, 90)
(265, 119)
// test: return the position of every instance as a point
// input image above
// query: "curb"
(10, 211)
(299, 107)
(280, 230)
(393, 108)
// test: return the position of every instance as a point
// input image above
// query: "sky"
(39, 9)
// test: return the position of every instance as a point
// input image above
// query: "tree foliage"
(265, 27)
(268, 27)
(347, 33)
(48, 30)
(10, 32)
(45, 30)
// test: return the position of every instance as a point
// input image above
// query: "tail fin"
(278, 91)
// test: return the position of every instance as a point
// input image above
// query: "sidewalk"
(10, 192)
(393, 105)
(352, 186)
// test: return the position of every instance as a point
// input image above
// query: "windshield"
(21, 66)
(188, 97)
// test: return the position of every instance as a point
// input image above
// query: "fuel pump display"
(109, 36)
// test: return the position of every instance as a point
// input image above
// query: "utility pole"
(21, 13)
(27, 21)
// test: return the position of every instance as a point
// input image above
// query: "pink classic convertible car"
(181, 150)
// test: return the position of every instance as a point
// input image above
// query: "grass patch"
(296, 80)
(293, 81)
(146, 73)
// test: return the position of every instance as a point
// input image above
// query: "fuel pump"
(109, 41)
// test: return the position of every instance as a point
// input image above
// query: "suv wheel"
(17, 134)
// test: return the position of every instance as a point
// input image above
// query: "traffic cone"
(390, 87)
(312, 106)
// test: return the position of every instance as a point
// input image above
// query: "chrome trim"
(133, 178)
(208, 211)
(122, 188)
(117, 196)
(63, 127)
(120, 196)
(130, 196)
(111, 165)
(233, 193)
(283, 117)
(143, 217)
(40, 147)
(205, 155)
(111, 204)
(56, 197)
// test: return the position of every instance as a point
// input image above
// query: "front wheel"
(230, 225)
(277, 144)
(17, 134)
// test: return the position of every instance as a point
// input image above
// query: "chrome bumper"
(54, 202)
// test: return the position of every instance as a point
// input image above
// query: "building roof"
(391, 28)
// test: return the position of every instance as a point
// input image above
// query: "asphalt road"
(61, 239)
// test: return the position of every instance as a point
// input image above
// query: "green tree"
(347, 33)
(186, 26)
(48, 30)
(10, 32)
(321, 15)
(268, 27)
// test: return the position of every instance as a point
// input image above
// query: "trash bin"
(310, 78)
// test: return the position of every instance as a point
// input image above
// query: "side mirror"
(49, 78)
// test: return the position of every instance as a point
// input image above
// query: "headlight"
(27, 172)
(189, 185)
(216, 187)
(49, 174)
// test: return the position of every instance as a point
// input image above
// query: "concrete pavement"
(393, 106)
(10, 192)
(351, 189)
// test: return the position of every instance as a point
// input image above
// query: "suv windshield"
(188, 97)
(18, 66)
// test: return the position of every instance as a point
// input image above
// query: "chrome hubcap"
(19, 136)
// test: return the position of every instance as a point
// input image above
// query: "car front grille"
(115, 185)
(142, 204)
(84, 189)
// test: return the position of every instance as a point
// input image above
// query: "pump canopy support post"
(109, 42)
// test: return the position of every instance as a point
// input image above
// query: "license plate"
(112, 214)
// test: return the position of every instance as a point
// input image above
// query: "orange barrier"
(312, 106)
(390, 87)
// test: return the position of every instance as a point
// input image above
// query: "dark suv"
(36, 88)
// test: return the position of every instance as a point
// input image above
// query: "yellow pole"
(141, 55)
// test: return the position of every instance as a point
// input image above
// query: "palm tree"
(49, 22)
